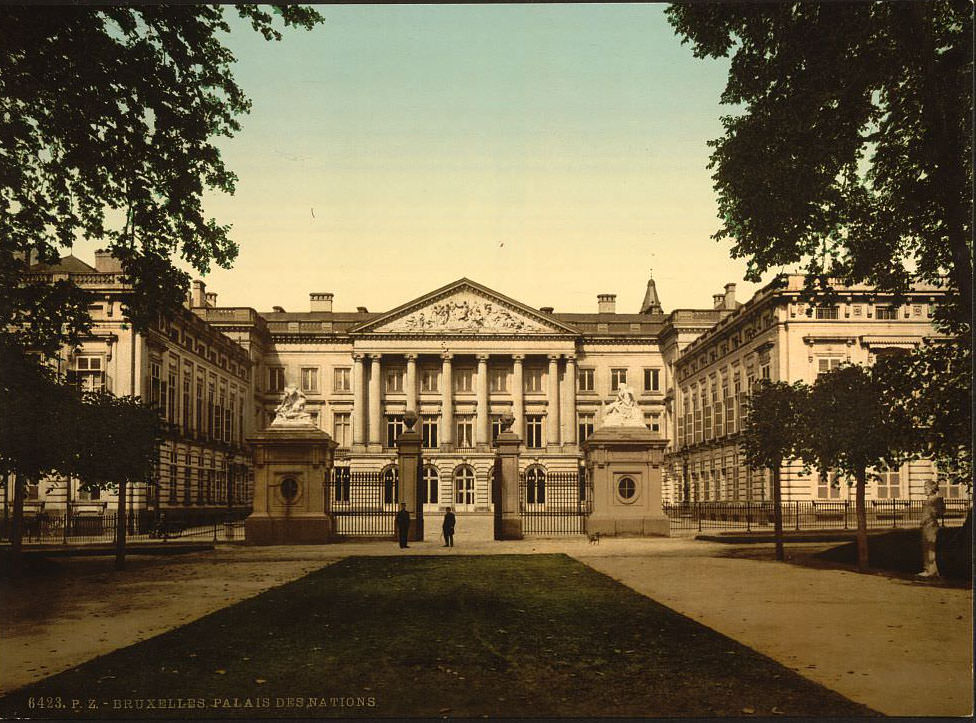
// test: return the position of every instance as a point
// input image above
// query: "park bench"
(889, 509)
(829, 510)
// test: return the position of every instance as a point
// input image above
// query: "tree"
(107, 116)
(850, 149)
(109, 424)
(847, 427)
(771, 434)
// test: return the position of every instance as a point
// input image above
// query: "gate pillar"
(292, 465)
(625, 465)
(505, 483)
(408, 460)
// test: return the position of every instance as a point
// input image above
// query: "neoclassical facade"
(461, 356)
(777, 336)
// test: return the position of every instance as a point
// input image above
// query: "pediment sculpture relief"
(464, 314)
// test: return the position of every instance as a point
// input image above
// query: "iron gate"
(552, 504)
(364, 503)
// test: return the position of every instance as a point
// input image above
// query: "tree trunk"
(17, 528)
(778, 513)
(120, 528)
(862, 520)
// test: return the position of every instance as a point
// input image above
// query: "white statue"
(934, 508)
(291, 412)
(624, 411)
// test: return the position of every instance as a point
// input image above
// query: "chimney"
(211, 299)
(606, 303)
(362, 310)
(730, 296)
(718, 301)
(199, 293)
(546, 309)
(106, 263)
(320, 301)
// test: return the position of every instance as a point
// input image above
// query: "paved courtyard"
(897, 646)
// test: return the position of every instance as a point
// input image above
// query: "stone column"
(447, 402)
(375, 408)
(505, 486)
(567, 407)
(358, 401)
(411, 382)
(518, 389)
(552, 402)
(408, 461)
(483, 431)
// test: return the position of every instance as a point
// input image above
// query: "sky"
(550, 152)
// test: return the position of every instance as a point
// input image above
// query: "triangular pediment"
(465, 307)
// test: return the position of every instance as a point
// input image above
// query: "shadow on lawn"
(499, 636)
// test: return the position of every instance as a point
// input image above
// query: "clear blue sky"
(550, 152)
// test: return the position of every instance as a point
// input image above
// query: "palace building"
(461, 356)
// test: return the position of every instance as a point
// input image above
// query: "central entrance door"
(464, 496)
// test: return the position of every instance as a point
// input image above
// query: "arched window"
(464, 486)
(391, 485)
(428, 489)
(535, 485)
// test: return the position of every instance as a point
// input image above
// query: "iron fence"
(555, 504)
(55, 527)
(693, 517)
(364, 503)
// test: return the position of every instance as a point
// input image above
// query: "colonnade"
(369, 395)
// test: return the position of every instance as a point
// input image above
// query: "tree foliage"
(850, 146)
(771, 432)
(107, 121)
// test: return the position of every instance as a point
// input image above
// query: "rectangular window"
(394, 427)
(394, 380)
(827, 364)
(586, 380)
(463, 379)
(498, 379)
(828, 486)
(171, 392)
(719, 416)
(653, 422)
(617, 377)
(155, 384)
(889, 484)
(732, 405)
(698, 415)
(826, 312)
(533, 431)
(276, 379)
(465, 432)
(310, 379)
(496, 427)
(428, 432)
(585, 425)
(532, 379)
(212, 428)
(89, 373)
(652, 380)
(200, 420)
(764, 371)
(885, 313)
(342, 379)
(430, 379)
(341, 426)
(187, 394)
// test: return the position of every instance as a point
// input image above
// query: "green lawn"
(425, 636)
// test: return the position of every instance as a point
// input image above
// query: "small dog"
(594, 538)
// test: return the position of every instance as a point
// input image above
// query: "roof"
(69, 264)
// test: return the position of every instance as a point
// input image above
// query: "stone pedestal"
(624, 464)
(505, 487)
(292, 464)
(408, 459)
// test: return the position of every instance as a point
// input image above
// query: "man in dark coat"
(403, 524)
(448, 528)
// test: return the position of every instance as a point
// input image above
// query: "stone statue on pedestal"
(291, 412)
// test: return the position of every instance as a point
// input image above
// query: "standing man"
(403, 525)
(448, 528)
